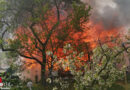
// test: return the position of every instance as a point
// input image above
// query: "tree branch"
(34, 33)
(57, 8)
(32, 58)
(13, 50)
(36, 45)
(50, 33)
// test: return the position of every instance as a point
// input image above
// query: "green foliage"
(128, 77)
(116, 87)
(3, 4)
(63, 34)
(33, 13)
(1, 41)
(101, 73)
(80, 15)
(13, 55)
(9, 77)
(15, 44)
(35, 87)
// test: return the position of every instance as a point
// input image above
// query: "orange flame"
(90, 35)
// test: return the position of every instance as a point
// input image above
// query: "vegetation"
(102, 72)
(53, 31)
(39, 31)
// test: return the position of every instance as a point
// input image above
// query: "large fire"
(91, 34)
(97, 32)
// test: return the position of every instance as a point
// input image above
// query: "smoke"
(112, 13)
(124, 7)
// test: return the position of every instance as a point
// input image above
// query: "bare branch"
(36, 45)
(32, 58)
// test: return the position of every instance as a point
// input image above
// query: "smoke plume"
(112, 13)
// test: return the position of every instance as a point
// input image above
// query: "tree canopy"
(30, 28)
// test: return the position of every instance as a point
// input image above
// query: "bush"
(99, 74)
(116, 87)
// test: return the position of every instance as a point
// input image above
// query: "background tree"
(29, 28)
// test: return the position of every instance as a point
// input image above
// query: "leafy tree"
(29, 28)
(101, 74)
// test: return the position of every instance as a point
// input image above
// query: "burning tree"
(29, 28)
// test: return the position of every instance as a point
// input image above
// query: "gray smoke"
(112, 13)
(124, 7)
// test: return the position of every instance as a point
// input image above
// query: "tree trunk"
(43, 69)
(43, 76)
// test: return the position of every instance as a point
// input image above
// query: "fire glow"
(97, 32)
(91, 33)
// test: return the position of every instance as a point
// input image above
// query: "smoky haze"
(112, 13)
